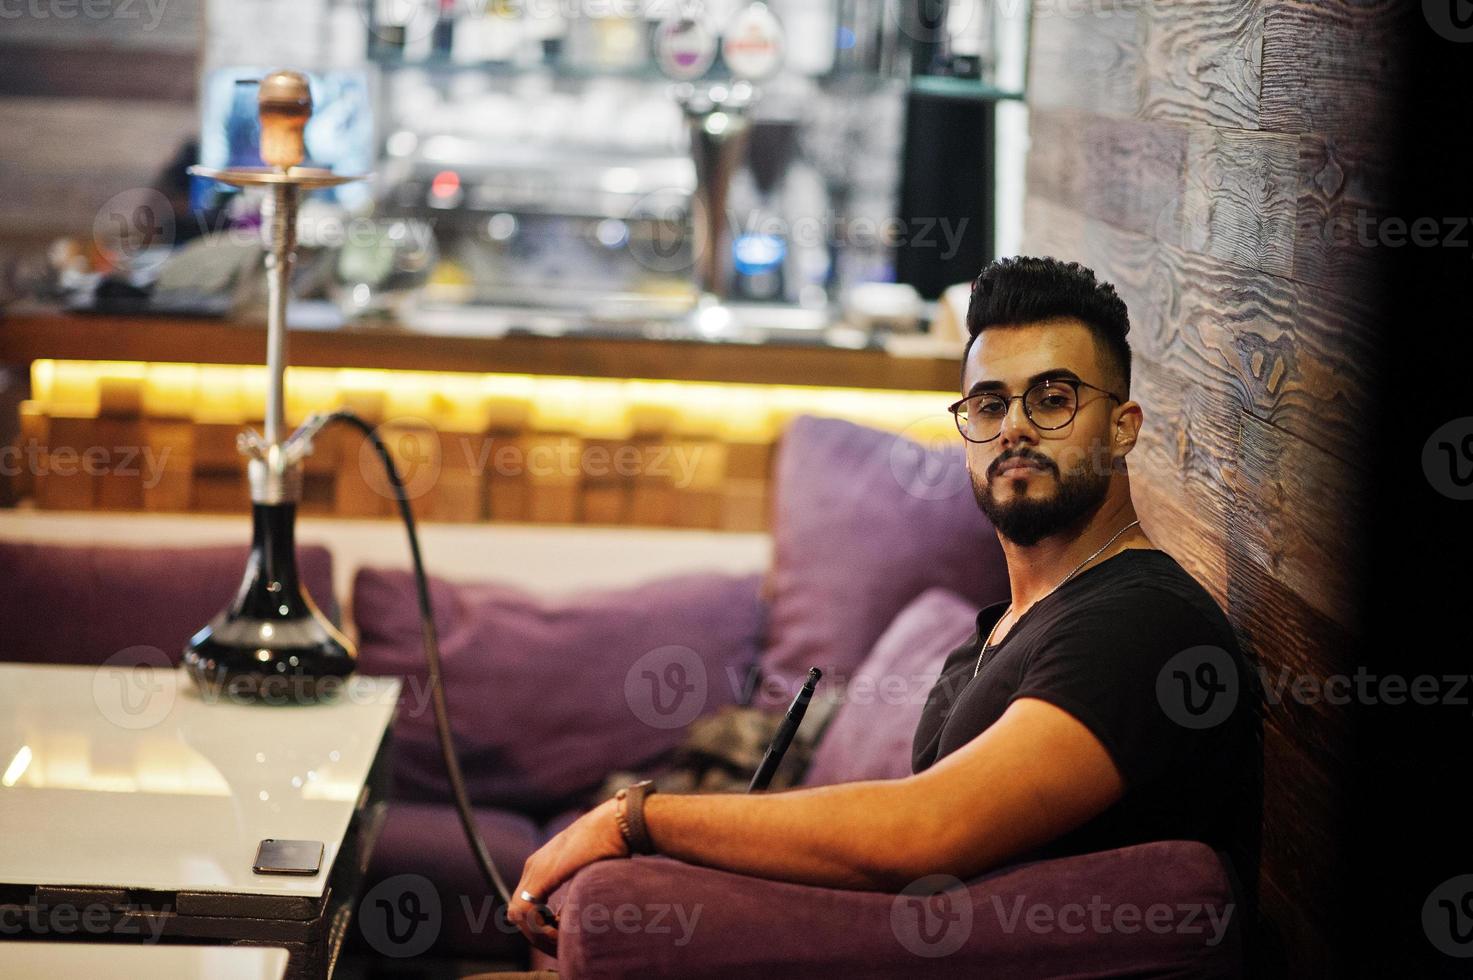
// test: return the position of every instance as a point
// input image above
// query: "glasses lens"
(980, 417)
(1051, 404)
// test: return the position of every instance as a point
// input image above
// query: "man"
(1068, 723)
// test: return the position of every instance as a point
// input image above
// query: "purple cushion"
(864, 522)
(1137, 911)
(82, 604)
(871, 732)
(548, 697)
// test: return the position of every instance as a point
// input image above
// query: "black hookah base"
(290, 675)
(271, 644)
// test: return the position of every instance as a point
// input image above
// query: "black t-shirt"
(1140, 653)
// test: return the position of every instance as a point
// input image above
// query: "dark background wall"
(1212, 159)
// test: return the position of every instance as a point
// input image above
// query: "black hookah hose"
(432, 656)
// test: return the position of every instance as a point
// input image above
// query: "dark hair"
(1024, 289)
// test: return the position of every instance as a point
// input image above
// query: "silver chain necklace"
(983, 652)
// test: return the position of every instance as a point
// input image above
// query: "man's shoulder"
(1149, 585)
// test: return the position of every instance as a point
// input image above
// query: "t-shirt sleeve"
(1102, 666)
(955, 672)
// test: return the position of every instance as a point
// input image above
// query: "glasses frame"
(955, 407)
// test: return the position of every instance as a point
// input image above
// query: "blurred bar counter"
(27, 334)
(141, 413)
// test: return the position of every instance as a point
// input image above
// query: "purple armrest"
(1164, 909)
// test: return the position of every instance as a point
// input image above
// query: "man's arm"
(1034, 775)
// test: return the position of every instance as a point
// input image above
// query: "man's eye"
(990, 408)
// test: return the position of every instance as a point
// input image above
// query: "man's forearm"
(868, 835)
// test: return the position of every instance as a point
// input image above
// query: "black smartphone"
(288, 857)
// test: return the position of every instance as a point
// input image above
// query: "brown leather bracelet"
(629, 812)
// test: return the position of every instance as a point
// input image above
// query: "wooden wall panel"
(1289, 351)
(1331, 69)
(1203, 61)
(1225, 165)
(1092, 61)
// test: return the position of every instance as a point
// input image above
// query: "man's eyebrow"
(1049, 375)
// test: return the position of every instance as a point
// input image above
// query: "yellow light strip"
(473, 402)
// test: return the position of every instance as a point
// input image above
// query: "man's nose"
(1016, 426)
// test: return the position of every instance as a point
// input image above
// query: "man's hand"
(592, 837)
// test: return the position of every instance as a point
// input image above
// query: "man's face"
(1068, 469)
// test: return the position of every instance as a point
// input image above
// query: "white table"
(125, 788)
(49, 961)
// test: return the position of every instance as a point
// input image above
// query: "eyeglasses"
(1049, 404)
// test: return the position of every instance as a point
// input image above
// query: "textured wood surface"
(1225, 165)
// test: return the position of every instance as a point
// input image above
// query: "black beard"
(1025, 521)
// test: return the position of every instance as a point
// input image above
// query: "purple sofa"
(1163, 909)
(881, 560)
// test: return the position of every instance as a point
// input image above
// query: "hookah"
(272, 644)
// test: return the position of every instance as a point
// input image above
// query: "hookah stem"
(278, 281)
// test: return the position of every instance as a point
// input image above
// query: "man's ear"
(1127, 428)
